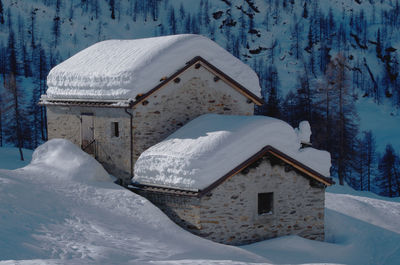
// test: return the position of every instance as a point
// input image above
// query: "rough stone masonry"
(194, 92)
(229, 213)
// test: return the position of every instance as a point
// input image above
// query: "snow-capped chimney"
(304, 134)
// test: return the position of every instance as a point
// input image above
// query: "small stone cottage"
(117, 98)
(237, 179)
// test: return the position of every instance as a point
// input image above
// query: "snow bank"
(211, 145)
(50, 216)
(360, 228)
(67, 158)
(70, 222)
(121, 69)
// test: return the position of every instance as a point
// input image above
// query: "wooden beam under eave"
(230, 83)
(300, 168)
(162, 84)
(212, 69)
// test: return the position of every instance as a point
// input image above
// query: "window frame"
(115, 129)
(265, 203)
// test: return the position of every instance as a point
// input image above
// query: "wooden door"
(87, 133)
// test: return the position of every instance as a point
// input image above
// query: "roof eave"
(247, 93)
(164, 189)
(102, 103)
(267, 149)
(45, 101)
(278, 154)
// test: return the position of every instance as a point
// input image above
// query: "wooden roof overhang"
(197, 61)
(44, 101)
(264, 151)
(164, 190)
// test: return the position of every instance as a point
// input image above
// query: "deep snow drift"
(122, 69)
(65, 206)
(64, 209)
(208, 147)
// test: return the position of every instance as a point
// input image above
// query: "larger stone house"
(117, 98)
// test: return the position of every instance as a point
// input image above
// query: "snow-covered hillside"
(63, 208)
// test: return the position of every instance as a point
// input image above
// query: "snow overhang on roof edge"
(267, 149)
(44, 100)
(137, 66)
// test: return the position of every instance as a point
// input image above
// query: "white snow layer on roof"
(121, 69)
(211, 145)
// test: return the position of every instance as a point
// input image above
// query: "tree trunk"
(12, 87)
(369, 169)
(17, 118)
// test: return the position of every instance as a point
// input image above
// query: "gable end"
(279, 155)
(198, 61)
(316, 179)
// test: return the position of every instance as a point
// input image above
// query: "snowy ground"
(10, 158)
(63, 208)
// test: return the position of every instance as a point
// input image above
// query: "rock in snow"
(211, 145)
(122, 69)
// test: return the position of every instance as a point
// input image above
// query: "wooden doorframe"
(87, 133)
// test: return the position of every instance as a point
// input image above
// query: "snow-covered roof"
(122, 69)
(210, 146)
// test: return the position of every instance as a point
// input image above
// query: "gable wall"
(229, 213)
(174, 105)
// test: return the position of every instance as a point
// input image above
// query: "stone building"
(232, 181)
(117, 98)
(237, 180)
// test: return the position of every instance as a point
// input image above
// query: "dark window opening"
(265, 202)
(115, 129)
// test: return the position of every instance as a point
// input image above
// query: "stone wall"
(197, 92)
(64, 122)
(174, 105)
(183, 210)
(112, 152)
(229, 214)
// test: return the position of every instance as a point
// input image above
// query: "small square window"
(265, 203)
(115, 129)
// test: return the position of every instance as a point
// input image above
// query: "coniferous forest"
(317, 61)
